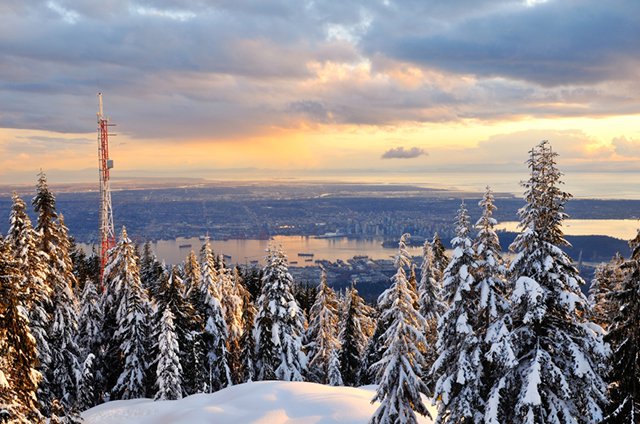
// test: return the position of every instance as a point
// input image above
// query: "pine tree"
(247, 341)
(131, 336)
(214, 329)
(192, 273)
(322, 343)
(492, 325)
(169, 370)
(88, 393)
(624, 338)
(607, 280)
(279, 324)
(231, 302)
(440, 260)
(431, 307)
(399, 372)
(171, 295)
(150, 271)
(63, 371)
(19, 377)
(89, 320)
(32, 263)
(559, 354)
(353, 339)
(458, 367)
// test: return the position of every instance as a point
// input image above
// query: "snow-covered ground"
(265, 402)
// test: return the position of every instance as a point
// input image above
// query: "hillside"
(266, 402)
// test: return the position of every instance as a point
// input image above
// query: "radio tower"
(107, 233)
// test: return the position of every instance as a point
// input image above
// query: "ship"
(184, 246)
(305, 255)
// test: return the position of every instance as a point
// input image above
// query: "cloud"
(401, 153)
(626, 147)
(551, 43)
(190, 69)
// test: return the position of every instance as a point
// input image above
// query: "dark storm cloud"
(193, 68)
(402, 153)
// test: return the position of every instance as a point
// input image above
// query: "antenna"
(107, 233)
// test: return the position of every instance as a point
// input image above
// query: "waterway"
(332, 249)
(624, 229)
(248, 251)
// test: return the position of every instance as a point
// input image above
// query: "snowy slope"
(266, 402)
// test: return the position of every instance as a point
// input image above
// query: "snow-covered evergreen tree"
(431, 308)
(247, 341)
(63, 370)
(89, 320)
(231, 302)
(624, 338)
(169, 370)
(279, 324)
(192, 272)
(88, 392)
(334, 376)
(32, 263)
(214, 332)
(606, 281)
(132, 318)
(377, 343)
(492, 325)
(353, 338)
(171, 295)
(321, 338)
(440, 259)
(150, 270)
(399, 372)
(458, 368)
(19, 378)
(559, 353)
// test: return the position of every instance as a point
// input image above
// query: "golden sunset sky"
(258, 89)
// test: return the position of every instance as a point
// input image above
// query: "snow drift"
(265, 402)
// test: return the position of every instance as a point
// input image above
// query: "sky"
(271, 88)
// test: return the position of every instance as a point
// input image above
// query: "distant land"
(165, 209)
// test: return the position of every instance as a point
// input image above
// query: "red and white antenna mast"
(107, 233)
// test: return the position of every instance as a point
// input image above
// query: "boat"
(184, 246)
(305, 255)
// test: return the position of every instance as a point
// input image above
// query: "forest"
(489, 339)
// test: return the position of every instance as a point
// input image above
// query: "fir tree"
(19, 377)
(88, 393)
(32, 263)
(231, 302)
(247, 341)
(44, 204)
(214, 333)
(353, 339)
(171, 296)
(150, 271)
(322, 342)
(89, 320)
(131, 335)
(169, 371)
(607, 280)
(431, 308)
(192, 273)
(440, 260)
(458, 367)
(492, 326)
(399, 372)
(279, 324)
(559, 354)
(624, 338)
(63, 371)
